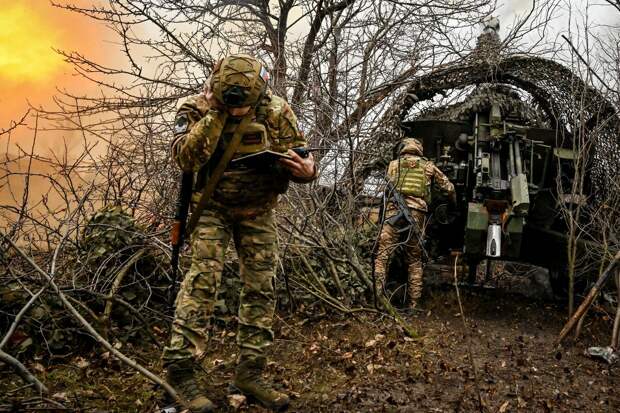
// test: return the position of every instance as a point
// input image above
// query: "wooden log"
(587, 302)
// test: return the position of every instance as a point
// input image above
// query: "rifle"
(404, 213)
(177, 233)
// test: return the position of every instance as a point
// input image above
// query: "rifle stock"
(403, 209)
(177, 232)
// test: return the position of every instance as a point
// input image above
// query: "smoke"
(32, 72)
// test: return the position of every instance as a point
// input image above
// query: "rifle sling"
(217, 173)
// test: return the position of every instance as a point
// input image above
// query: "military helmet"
(239, 80)
(411, 146)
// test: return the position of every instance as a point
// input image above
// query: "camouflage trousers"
(389, 240)
(255, 240)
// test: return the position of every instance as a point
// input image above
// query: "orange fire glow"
(31, 71)
(26, 41)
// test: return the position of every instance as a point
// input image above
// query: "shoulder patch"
(181, 124)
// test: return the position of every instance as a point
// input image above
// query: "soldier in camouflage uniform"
(240, 209)
(412, 175)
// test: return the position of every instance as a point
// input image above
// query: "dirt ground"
(365, 364)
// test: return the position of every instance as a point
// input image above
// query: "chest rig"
(242, 184)
(255, 137)
(411, 179)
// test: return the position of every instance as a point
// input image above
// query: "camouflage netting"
(568, 103)
(108, 236)
(115, 259)
(481, 99)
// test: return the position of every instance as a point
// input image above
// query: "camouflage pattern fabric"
(433, 175)
(241, 209)
(197, 128)
(389, 237)
(108, 234)
(388, 241)
(255, 240)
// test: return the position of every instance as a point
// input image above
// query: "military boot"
(248, 379)
(181, 376)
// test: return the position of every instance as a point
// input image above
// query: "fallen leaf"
(38, 367)
(347, 355)
(81, 362)
(370, 343)
(60, 396)
(504, 407)
(236, 401)
(24, 345)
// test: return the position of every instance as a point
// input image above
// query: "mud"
(365, 364)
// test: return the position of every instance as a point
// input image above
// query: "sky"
(30, 70)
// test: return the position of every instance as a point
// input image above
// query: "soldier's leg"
(196, 298)
(414, 261)
(194, 307)
(387, 241)
(256, 242)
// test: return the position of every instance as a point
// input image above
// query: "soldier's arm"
(442, 181)
(392, 171)
(302, 170)
(195, 136)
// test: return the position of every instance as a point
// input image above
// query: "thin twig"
(23, 372)
(19, 316)
(587, 65)
(470, 352)
(587, 302)
(128, 361)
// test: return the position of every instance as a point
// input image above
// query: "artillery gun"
(511, 148)
(504, 172)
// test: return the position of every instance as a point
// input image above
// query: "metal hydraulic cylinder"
(494, 241)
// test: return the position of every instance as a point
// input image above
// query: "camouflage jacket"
(200, 131)
(433, 175)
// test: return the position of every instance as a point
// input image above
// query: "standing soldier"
(240, 208)
(412, 176)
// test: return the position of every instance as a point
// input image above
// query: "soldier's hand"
(452, 198)
(239, 112)
(213, 102)
(300, 167)
(216, 104)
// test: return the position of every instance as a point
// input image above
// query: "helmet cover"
(239, 80)
(411, 146)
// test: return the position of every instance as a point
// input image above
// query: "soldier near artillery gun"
(236, 116)
(410, 178)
